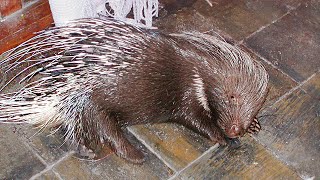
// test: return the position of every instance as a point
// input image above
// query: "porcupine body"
(99, 76)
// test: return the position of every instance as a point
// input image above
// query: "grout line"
(196, 160)
(276, 156)
(57, 175)
(272, 22)
(34, 151)
(151, 149)
(268, 149)
(241, 42)
(295, 88)
(67, 155)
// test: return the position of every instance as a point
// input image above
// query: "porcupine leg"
(210, 131)
(213, 133)
(123, 148)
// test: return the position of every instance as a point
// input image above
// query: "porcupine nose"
(234, 131)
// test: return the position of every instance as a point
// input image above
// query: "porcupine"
(99, 76)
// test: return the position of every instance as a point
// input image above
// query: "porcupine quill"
(94, 77)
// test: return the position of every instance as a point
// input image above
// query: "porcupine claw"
(254, 127)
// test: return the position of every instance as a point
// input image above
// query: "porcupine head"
(229, 84)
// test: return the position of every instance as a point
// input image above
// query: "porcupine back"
(89, 53)
(69, 61)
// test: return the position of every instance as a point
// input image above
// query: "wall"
(20, 19)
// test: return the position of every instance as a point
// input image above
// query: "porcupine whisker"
(41, 129)
(64, 139)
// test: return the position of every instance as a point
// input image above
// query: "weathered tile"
(51, 147)
(17, 161)
(292, 133)
(249, 161)
(49, 175)
(172, 6)
(175, 144)
(293, 43)
(113, 167)
(187, 19)
(238, 18)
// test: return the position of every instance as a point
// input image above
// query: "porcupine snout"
(235, 131)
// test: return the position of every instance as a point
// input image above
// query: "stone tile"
(17, 161)
(292, 133)
(175, 144)
(172, 6)
(238, 18)
(293, 43)
(50, 147)
(186, 19)
(113, 167)
(249, 161)
(49, 175)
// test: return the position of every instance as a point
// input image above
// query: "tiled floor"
(284, 36)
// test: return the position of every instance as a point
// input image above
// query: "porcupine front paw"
(254, 127)
(210, 131)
